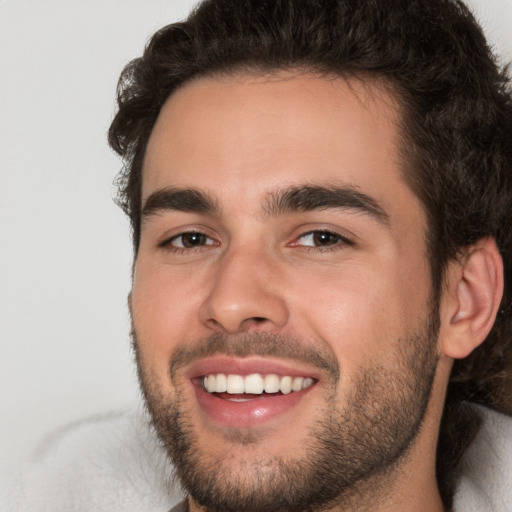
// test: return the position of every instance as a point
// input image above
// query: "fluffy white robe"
(114, 464)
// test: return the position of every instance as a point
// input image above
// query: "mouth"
(241, 394)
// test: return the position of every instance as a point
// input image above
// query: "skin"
(240, 139)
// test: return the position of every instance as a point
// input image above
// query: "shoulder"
(486, 471)
(105, 463)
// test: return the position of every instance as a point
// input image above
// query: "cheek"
(346, 316)
(362, 313)
(163, 307)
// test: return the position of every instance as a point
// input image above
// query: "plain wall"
(65, 252)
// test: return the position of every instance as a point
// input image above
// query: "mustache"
(255, 344)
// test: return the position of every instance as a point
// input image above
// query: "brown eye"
(320, 239)
(325, 238)
(190, 240)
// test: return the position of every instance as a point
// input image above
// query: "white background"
(65, 251)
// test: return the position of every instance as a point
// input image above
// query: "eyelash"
(340, 241)
(167, 244)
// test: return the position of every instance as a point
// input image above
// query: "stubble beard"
(353, 450)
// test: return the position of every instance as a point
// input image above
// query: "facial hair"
(352, 451)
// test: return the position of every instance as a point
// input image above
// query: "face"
(283, 327)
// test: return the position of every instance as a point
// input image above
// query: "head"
(441, 118)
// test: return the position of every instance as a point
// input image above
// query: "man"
(320, 194)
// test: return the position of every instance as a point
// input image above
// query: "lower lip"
(247, 413)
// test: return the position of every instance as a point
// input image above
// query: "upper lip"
(247, 366)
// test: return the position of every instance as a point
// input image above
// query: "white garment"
(115, 464)
(486, 481)
(111, 463)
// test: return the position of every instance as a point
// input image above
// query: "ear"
(471, 298)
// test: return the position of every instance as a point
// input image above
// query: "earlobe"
(472, 298)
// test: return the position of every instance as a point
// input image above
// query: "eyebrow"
(312, 197)
(296, 199)
(179, 199)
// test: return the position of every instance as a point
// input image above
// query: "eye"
(322, 238)
(190, 240)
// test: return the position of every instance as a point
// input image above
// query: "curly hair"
(456, 132)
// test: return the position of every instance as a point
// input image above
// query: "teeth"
(221, 383)
(297, 383)
(235, 384)
(286, 385)
(254, 384)
(308, 381)
(210, 382)
(272, 383)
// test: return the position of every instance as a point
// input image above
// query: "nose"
(245, 295)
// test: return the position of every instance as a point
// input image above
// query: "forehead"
(247, 135)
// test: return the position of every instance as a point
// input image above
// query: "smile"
(249, 392)
(255, 384)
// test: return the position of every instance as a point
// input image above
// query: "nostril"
(254, 321)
